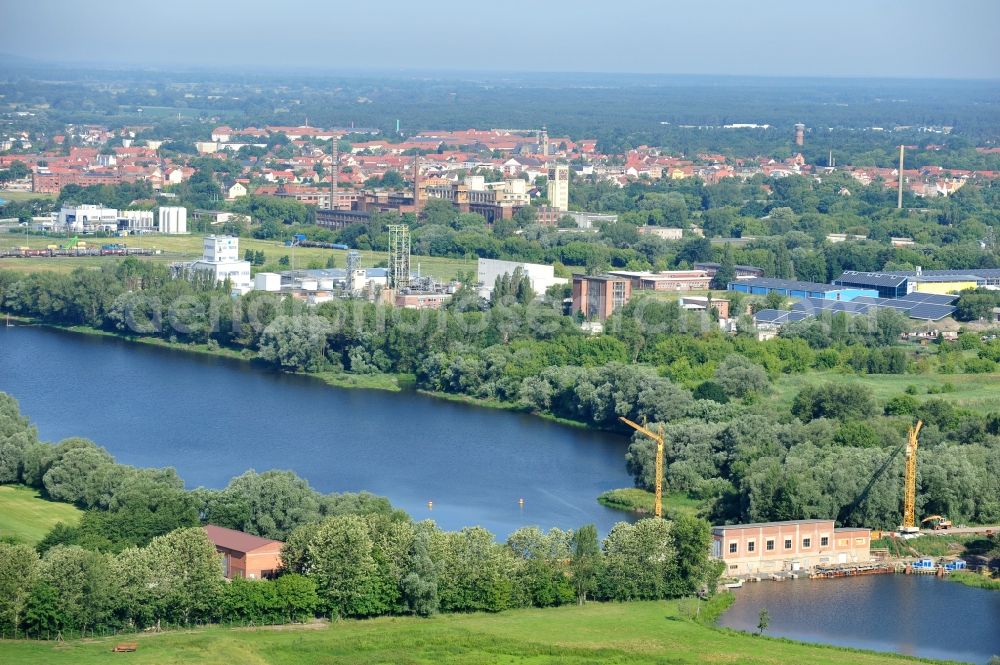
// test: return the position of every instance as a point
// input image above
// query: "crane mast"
(910, 484)
(658, 438)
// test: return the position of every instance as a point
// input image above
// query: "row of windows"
(769, 544)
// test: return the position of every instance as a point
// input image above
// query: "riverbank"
(974, 580)
(474, 464)
(387, 382)
(506, 406)
(637, 632)
(337, 379)
(641, 502)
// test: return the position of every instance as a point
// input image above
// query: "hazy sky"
(907, 38)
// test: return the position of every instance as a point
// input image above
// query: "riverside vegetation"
(734, 443)
(136, 559)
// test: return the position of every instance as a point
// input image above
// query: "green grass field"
(978, 392)
(181, 248)
(641, 632)
(27, 517)
(8, 195)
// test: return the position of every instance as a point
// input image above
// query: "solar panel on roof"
(930, 312)
(896, 305)
(869, 279)
(824, 305)
(770, 315)
(939, 298)
(797, 316)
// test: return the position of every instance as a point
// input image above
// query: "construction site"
(817, 548)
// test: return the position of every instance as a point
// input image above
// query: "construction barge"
(852, 570)
(924, 566)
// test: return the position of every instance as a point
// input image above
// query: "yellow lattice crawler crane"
(658, 438)
(910, 482)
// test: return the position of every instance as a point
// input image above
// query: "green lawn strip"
(639, 632)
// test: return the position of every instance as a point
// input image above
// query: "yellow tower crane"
(910, 482)
(658, 438)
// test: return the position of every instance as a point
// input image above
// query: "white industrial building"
(136, 221)
(541, 276)
(173, 220)
(586, 220)
(88, 218)
(221, 258)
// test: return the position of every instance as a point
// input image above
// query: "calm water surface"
(916, 615)
(213, 418)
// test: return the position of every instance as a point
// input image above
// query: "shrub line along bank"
(137, 558)
(749, 457)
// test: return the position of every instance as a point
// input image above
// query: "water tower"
(800, 133)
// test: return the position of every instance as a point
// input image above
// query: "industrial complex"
(922, 295)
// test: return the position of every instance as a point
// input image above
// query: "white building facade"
(88, 218)
(136, 221)
(558, 189)
(173, 220)
(221, 259)
(541, 276)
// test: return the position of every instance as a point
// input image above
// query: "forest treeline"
(684, 113)
(138, 559)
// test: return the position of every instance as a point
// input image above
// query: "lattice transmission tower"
(399, 256)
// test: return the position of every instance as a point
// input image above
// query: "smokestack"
(336, 173)
(416, 184)
(800, 132)
(899, 198)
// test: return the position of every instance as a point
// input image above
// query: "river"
(213, 418)
(916, 615)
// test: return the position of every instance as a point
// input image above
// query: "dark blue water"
(917, 615)
(213, 418)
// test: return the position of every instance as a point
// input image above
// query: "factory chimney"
(416, 184)
(899, 198)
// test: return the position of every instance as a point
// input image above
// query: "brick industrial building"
(771, 547)
(598, 296)
(669, 280)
